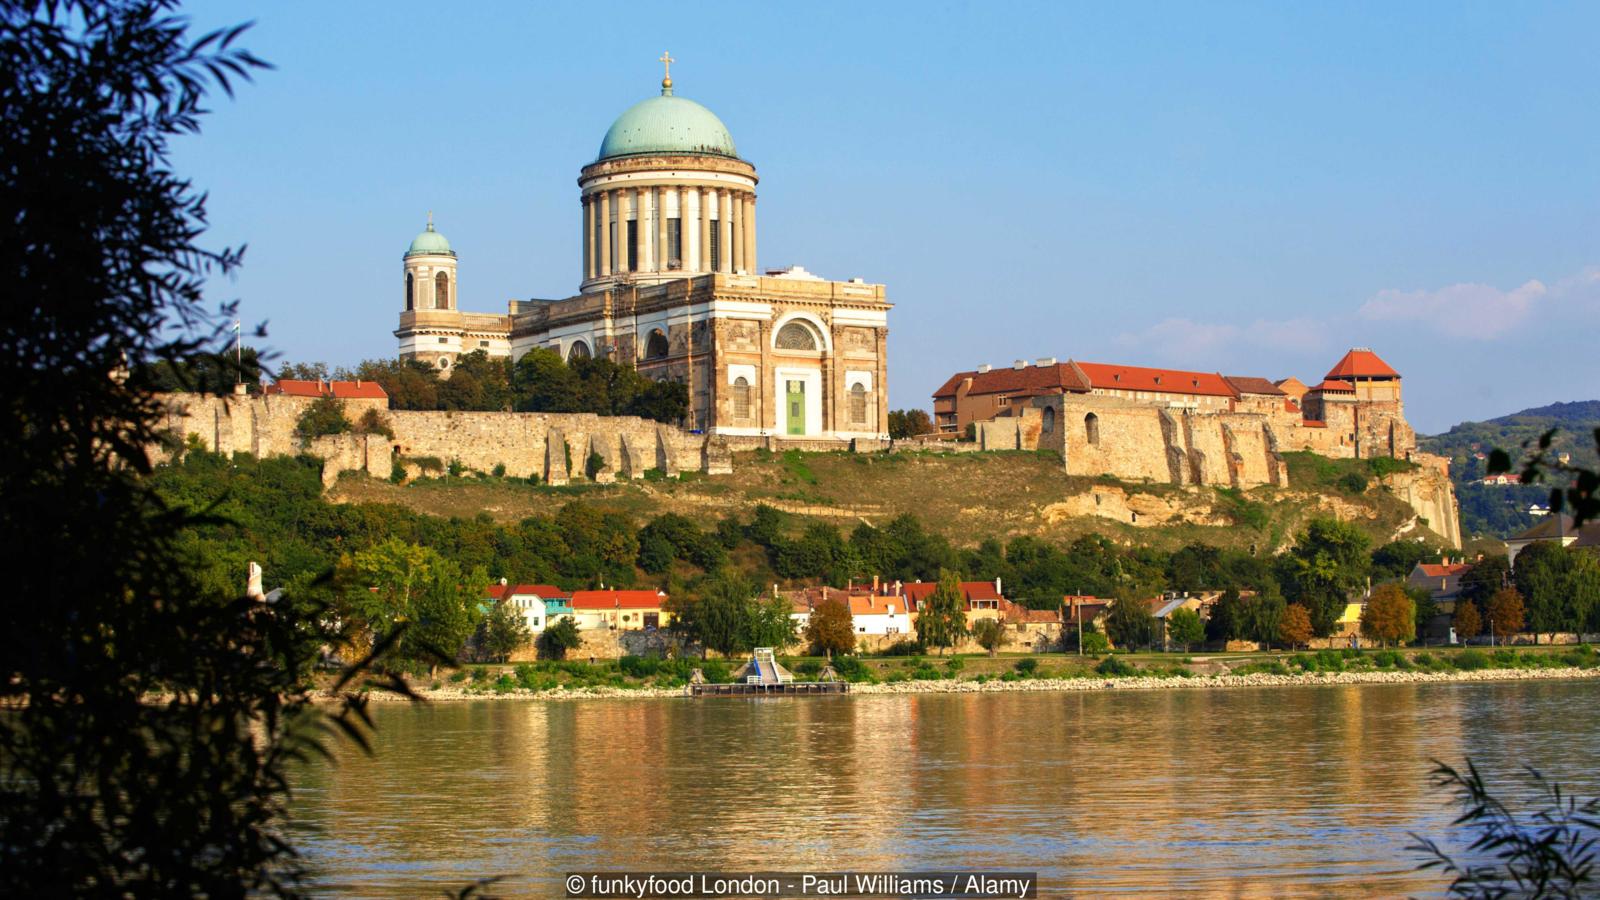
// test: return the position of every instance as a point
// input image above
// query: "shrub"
(397, 474)
(1263, 668)
(810, 667)
(1330, 661)
(458, 676)
(955, 664)
(455, 468)
(903, 647)
(1095, 643)
(1305, 661)
(323, 416)
(1115, 666)
(1353, 483)
(925, 672)
(1471, 660)
(1027, 665)
(851, 668)
(1386, 659)
(499, 470)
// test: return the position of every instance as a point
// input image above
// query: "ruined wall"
(1429, 491)
(542, 444)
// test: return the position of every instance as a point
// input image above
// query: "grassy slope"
(966, 497)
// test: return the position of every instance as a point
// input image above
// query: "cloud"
(1472, 311)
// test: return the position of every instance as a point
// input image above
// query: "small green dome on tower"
(667, 124)
(430, 242)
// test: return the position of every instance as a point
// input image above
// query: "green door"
(797, 407)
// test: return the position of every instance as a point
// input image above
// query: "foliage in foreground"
(1549, 852)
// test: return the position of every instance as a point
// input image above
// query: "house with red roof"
(343, 390)
(538, 604)
(980, 599)
(1441, 579)
(618, 610)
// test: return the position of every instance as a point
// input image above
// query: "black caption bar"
(964, 885)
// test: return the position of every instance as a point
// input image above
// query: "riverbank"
(453, 693)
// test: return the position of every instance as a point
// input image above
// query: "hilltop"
(1503, 510)
(965, 497)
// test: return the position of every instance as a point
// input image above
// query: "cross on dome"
(666, 61)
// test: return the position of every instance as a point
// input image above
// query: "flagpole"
(238, 351)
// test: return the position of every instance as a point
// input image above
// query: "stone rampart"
(556, 447)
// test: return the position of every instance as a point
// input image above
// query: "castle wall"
(527, 444)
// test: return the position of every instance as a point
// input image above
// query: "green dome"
(667, 124)
(430, 241)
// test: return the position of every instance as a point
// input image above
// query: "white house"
(872, 614)
(537, 603)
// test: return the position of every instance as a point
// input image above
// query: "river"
(1270, 792)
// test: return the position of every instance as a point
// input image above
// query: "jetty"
(763, 675)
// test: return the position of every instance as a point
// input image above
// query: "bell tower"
(431, 324)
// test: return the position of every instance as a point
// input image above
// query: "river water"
(1269, 792)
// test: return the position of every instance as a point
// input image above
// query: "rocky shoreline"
(972, 686)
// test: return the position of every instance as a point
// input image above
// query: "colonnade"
(730, 213)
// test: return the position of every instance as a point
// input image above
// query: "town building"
(538, 604)
(1558, 528)
(669, 282)
(1442, 580)
(979, 599)
(616, 610)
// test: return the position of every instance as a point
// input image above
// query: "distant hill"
(1503, 510)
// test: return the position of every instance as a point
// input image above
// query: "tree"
(830, 629)
(504, 631)
(1184, 628)
(1295, 629)
(768, 623)
(1195, 567)
(1225, 622)
(105, 792)
(1504, 612)
(323, 416)
(717, 613)
(1261, 615)
(558, 637)
(990, 634)
(905, 423)
(1468, 623)
(1395, 560)
(942, 620)
(213, 371)
(1486, 576)
(1390, 616)
(1129, 623)
(1328, 563)
(1542, 577)
(413, 595)
(541, 382)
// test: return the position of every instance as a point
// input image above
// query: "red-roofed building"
(620, 610)
(539, 604)
(981, 599)
(343, 390)
(985, 393)
(1166, 387)
(1441, 579)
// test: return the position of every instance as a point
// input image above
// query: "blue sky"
(1245, 188)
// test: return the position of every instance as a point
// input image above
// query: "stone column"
(689, 204)
(880, 383)
(750, 234)
(766, 382)
(663, 247)
(736, 225)
(604, 226)
(647, 229)
(705, 230)
(624, 209)
(724, 233)
(588, 238)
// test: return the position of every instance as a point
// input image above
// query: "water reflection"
(1245, 793)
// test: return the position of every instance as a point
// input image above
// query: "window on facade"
(411, 292)
(444, 340)
(633, 245)
(741, 398)
(656, 346)
(858, 403)
(441, 291)
(1091, 428)
(716, 247)
(674, 243)
(483, 343)
(1049, 420)
(579, 350)
(795, 336)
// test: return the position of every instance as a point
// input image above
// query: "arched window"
(1091, 428)
(741, 398)
(579, 350)
(655, 347)
(1049, 420)
(795, 336)
(411, 292)
(444, 362)
(441, 291)
(858, 403)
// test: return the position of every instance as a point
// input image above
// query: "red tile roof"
(1016, 612)
(881, 605)
(1169, 381)
(1246, 384)
(1039, 379)
(614, 599)
(542, 591)
(1314, 423)
(1342, 387)
(1443, 570)
(1362, 363)
(918, 591)
(344, 390)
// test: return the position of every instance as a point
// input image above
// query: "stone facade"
(543, 444)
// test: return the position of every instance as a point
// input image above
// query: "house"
(538, 604)
(1441, 579)
(342, 390)
(1500, 478)
(1163, 607)
(804, 601)
(1554, 528)
(620, 610)
(875, 614)
(1038, 629)
(1082, 608)
(980, 599)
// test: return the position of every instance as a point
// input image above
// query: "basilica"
(670, 283)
